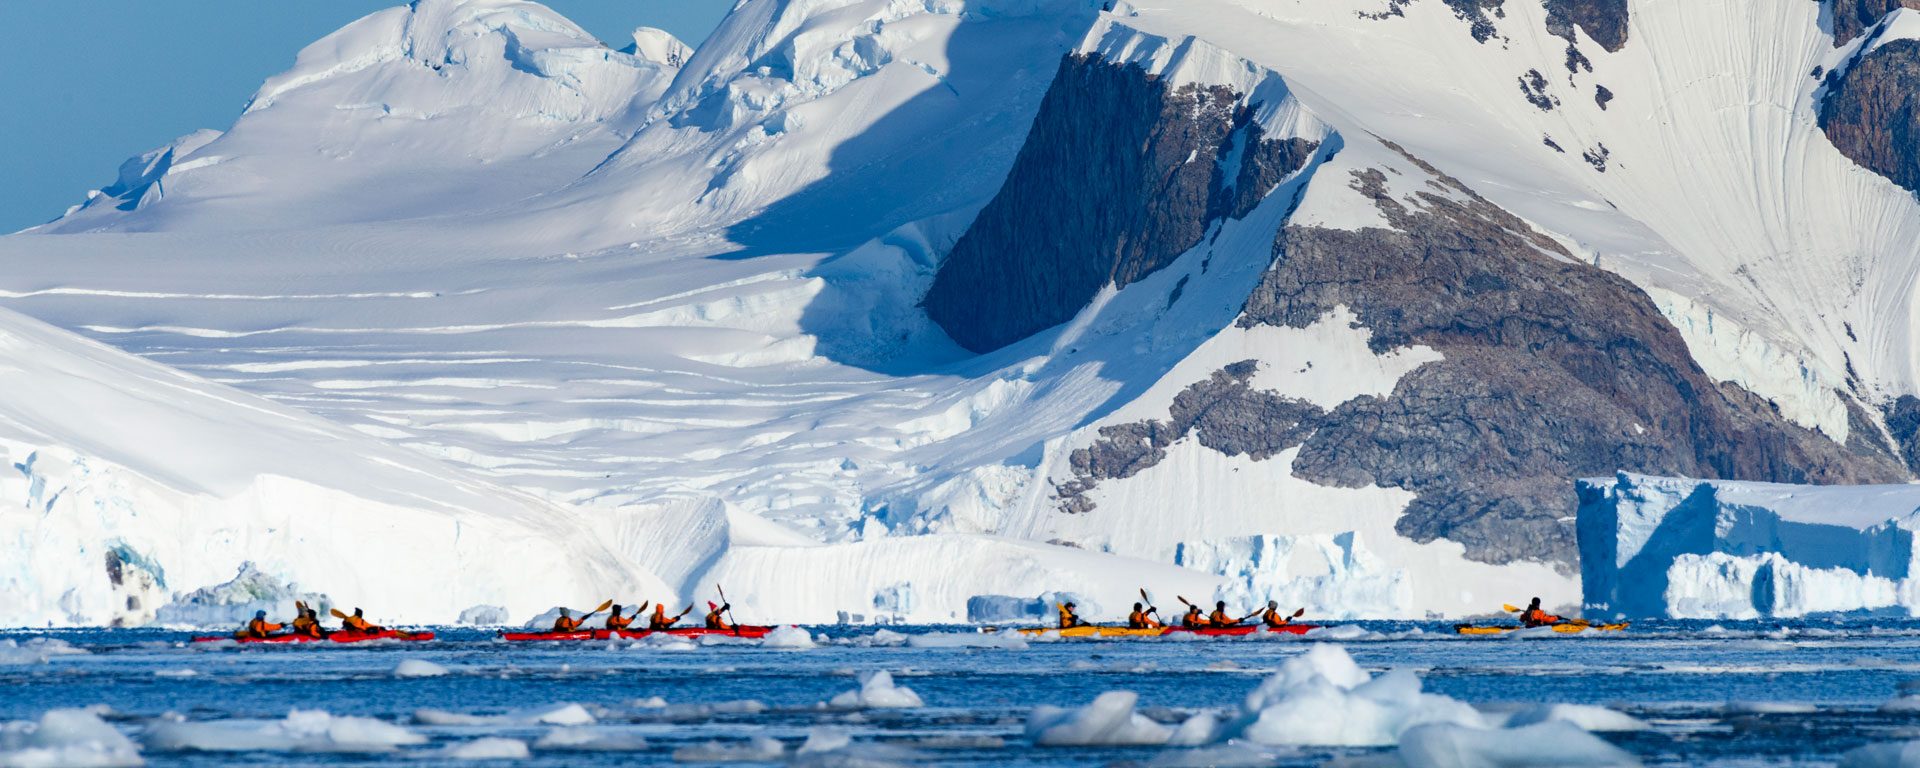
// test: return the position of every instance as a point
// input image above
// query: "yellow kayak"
(1565, 629)
(1098, 631)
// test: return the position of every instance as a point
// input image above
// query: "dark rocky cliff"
(1852, 17)
(1603, 20)
(1872, 112)
(1119, 175)
(1553, 370)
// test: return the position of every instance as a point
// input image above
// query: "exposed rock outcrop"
(1603, 20)
(1852, 17)
(1120, 174)
(1903, 422)
(1872, 112)
(1479, 15)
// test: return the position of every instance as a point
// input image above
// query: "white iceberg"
(877, 691)
(1109, 720)
(65, 738)
(488, 748)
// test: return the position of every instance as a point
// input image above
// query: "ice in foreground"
(66, 737)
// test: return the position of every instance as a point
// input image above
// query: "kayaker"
(259, 628)
(358, 623)
(1142, 617)
(1068, 618)
(1272, 616)
(1220, 617)
(716, 618)
(566, 622)
(1193, 619)
(307, 622)
(617, 622)
(1534, 616)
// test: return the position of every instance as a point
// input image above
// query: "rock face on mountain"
(1872, 112)
(1603, 20)
(1120, 174)
(1852, 17)
(1552, 369)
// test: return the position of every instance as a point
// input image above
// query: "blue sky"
(88, 83)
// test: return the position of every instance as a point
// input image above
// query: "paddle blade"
(337, 614)
(1510, 609)
(1300, 613)
(1183, 600)
(603, 606)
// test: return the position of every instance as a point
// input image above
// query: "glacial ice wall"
(1686, 548)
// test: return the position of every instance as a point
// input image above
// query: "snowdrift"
(1713, 549)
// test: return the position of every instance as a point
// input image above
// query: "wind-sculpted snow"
(1705, 549)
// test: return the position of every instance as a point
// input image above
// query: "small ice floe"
(418, 668)
(36, 651)
(1908, 703)
(175, 673)
(759, 749)
(1445, 745)
(659, 642)
(1900, 754)
(1346, 632)
(1587, 718)
(682, 713)
(829, 747)
(487, 748)
(1005, 640)
(877, 691)
(66, 737)
(1109, 720)
(789, 637)
(1771, 707)
(301, 731)
(557, 714)
(590, 739)
(881, 638)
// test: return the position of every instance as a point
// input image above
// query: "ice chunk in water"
(418, 668)
(1109, 720)
(35, 651)
(1007, 640)
(1896, 755)
(66, 737)
(877, 691)
(1322, 697)
(586, 739)
(488, 748)
(302, 731)
(1442, 745)
(788, 637)
(1586, 717)
(760, 749)
(557, 714)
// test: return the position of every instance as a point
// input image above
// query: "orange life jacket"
(357, 624)
(1274, 619)
(565, 624)
(617, 621)
(1193, 619)
(1534, 617)
(1220, 618)
(1067, 617)
(714, 621)
(660, 618)
(261, 628)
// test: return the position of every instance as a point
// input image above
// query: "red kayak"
(633, 634)
(337, 637)
(1291, 629)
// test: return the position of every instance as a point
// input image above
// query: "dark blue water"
(1700, 685)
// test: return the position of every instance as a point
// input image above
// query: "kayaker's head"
(616, 609)
(1137, 606)
(1222, 605)
(262, 615)
(1271, 605)
(659, 609)
(1070, 606)
(356, 613)
(566, 614)
(1534, 604)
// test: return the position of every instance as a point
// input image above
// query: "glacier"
(1681, 548)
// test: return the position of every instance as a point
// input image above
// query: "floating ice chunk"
(877, 691)
(1109, 720)
(1588, 718)
(1905, 754)
(488, 748)
(73, 738)
(881, 638)
(1235, 754)
(1441, 745)
(484, 616)
(825, 740)
(418, 668)
(35, 651)
(681, 713)
(589, 739)
(1338, 632)
(1323, 698)
(793, 638)
(175, 673)
(665, 643)
(557, 714)
(1771, 707)
(1909, 703)
(758, 750)
(302, 731)
(1007, 640)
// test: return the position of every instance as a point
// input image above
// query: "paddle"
(1148, 599)
(343, 617)
(729, 604)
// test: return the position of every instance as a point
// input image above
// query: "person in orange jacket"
(307, 622)
(1534, 616)
(259, 627)
(1272, 617)
(617, 622)
(1142, 618)
(1068, 618)
(1193, 619)
(715, 617)
(566, 622)
(1219, 618)
(358, 623)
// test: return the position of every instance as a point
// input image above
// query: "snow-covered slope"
(130, 482)
(683, 299)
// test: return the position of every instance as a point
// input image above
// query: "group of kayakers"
(1145, 616)
(306, 622)
(619, 620)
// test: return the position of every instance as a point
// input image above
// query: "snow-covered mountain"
(871, 307)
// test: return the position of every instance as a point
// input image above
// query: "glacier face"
(677, 299)
(1716, 549)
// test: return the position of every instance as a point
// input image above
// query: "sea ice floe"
(1905, 754)
(877, 691)
(557, 714)
(418, 668)
(1588, 718)
(301, 731)
(1555, 743)
(488, 748)
(65, 738)
(1109, 720)
(590, 739)
(1006, 640)
(759, 749)
(793, 638)
(35, 651)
